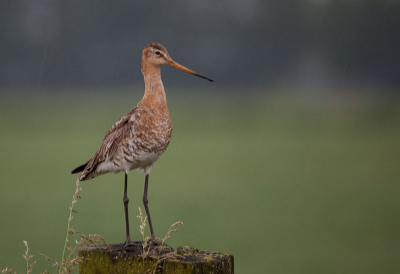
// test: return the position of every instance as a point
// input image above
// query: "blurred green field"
(285, 184)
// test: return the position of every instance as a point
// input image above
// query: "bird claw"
(151, 244)
(131, 243)
(158, 244)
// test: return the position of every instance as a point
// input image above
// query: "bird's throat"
(154, 94)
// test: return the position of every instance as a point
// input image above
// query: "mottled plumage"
(136, 141)
(139, 138)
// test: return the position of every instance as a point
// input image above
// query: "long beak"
(174, 64)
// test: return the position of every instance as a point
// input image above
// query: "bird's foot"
(157, 244)
(129, 243)
(147, 245)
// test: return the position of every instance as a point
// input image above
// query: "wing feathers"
(109, 147)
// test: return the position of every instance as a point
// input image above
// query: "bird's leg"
(126, 201)
(153, 241)
(145, 202)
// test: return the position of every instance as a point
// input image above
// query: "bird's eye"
(157, 52)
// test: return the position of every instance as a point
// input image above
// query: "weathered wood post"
(159, 259)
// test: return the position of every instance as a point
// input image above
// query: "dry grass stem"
(171, 230)
(68, 262)
(8, 271)
(143, 221)
(145, 243)
(47, 258)
(27, 257)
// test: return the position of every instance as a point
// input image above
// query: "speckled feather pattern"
(139, 138)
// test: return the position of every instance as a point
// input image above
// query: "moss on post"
(192, 261)
(159, 259)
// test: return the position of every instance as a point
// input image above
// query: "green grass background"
(285, 183)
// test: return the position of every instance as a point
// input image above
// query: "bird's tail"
(79, 168)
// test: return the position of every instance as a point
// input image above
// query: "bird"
(138, 139)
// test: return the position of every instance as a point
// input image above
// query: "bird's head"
(156, 54)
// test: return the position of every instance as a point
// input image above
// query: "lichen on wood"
(156, 259)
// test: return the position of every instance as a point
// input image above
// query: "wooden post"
(159, 259)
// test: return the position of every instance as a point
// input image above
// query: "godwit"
(139, 138)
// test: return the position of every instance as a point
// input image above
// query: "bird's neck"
(154, 94)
